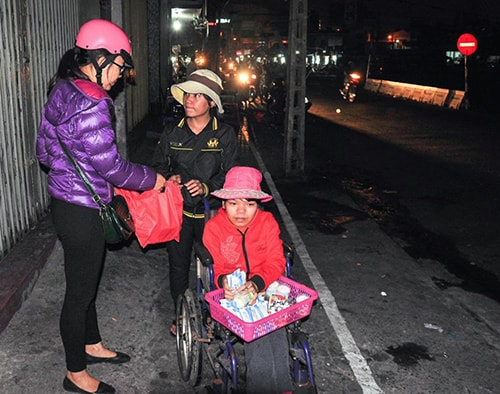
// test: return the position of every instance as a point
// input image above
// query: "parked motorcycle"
(351, 84)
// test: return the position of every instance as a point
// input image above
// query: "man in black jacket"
(195, 153)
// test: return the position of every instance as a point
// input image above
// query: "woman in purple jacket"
(78, 114)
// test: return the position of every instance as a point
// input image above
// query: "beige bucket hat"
(200, 81)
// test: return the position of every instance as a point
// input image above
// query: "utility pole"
(296, 89)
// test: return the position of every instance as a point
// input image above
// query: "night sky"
(393, 12)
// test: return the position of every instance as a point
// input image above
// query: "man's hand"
(194, 187)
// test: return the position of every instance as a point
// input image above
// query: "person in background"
(242, 236)
(195, 153)
(191, 66)
(79, 115)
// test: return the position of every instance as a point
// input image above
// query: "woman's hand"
(176, 179)
(160, 183)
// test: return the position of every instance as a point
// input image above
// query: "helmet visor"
(127, 58)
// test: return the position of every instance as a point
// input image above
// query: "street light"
(176, 25)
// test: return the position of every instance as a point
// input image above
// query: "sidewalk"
(22, 267)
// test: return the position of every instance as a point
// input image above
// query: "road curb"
(20, 269)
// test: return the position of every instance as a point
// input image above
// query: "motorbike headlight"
(243, 77)
(200, 60)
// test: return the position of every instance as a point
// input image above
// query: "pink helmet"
(103, 34)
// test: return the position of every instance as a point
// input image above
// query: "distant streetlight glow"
(176, 25)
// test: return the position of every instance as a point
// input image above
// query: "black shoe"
(120, 358)
(103, 388)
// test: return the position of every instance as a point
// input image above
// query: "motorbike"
(276, 98)
(276, 101)
(172, 110)
(351, 84)
(248, 83)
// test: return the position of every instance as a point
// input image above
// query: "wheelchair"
(201, 338)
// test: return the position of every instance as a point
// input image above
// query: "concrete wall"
(448, 98)
(34, 37)
(135, 23)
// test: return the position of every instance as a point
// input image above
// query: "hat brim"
(179, 89)
(229, 194)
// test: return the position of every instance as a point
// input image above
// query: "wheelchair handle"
(203, 254)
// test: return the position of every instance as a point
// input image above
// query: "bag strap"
(95, 196)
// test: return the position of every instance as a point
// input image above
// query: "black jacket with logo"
(206, 157)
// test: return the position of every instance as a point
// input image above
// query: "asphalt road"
(434, 173)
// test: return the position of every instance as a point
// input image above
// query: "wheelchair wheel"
(301, 362)
(189, 330)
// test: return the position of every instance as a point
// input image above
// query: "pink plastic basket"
(248, 331)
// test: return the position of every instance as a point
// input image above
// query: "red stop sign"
(467, 44)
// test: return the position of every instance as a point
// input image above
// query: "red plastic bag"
(157, 216)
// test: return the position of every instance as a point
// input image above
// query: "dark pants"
(268, 364)
(179, 255)
(80, 232)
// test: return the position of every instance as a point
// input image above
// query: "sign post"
(467, 45)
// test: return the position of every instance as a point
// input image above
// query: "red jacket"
(258, 251)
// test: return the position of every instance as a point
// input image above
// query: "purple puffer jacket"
(80, 112)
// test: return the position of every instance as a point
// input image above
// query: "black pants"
(179, 255)
(80, 232)
(268, 364)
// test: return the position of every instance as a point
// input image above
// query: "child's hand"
(228, 291)
(249, 288)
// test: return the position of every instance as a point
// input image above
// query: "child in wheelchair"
(242, 236)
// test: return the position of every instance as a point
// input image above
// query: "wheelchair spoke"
(188, 337)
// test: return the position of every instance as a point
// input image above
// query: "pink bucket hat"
(242, 183)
